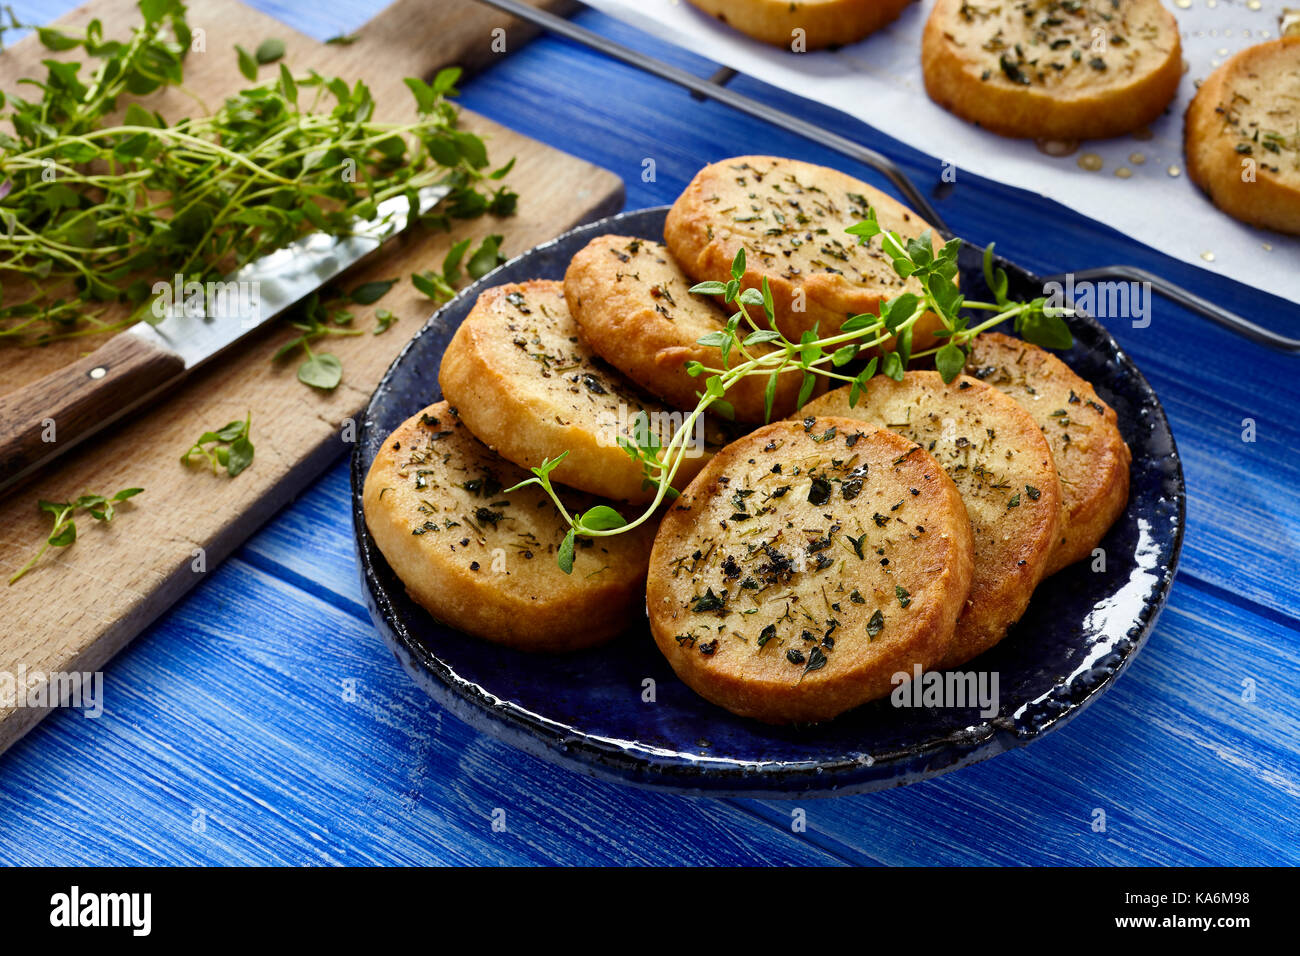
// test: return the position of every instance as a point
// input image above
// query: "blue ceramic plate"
(585, 710)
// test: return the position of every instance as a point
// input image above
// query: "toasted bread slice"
(484, 561)
(823, 22)
(1243, 136)
(1002, 465)
(633, 305)
(791, 218)
(1053, 69)
(805, 566)
(528, 387)
(1091, 457)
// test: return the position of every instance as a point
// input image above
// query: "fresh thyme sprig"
(885, 337)
(440, 286)
(94, 209)
(320, 315)
(229, 447)
(64, 532)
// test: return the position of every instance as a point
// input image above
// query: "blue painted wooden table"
(231, 735)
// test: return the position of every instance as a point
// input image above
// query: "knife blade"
(195, 323)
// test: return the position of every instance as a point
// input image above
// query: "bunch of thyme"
(92, 211)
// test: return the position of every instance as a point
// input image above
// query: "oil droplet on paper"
(1091, 162)
(1254, 5)
(1207, 255)
(1057, 147)
(1137, 159)
(1175, 171)
(1211, 3)
(1123, 172)
(1183, 4)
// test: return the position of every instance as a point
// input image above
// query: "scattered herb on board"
(485, 258)
(269, 50)
(321, 315)
(323, 370)
(246, 62)
(228, 447)
(100, 196)
(441, 286)
(368, 293)
(64, 532)
(889, 331)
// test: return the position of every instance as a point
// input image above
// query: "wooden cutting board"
(83, 603)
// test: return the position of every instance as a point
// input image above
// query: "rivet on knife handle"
(44, 418)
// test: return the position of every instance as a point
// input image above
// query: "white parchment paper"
(878, 81)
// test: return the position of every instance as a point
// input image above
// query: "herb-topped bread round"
(996, 455)
(823, 22)
(528, 387)
(484, 561)
(633, 305)
(805, 566)
(791, 218)
(1243, 136)
(1091, 457)
(1053, 69)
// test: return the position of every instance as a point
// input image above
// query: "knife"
(42, 420)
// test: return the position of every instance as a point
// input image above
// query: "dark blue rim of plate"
(1057, 669)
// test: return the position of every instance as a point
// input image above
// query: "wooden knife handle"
(45, 418)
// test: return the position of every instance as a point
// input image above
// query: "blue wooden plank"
(235, 707)
(328, 568)
(233, 701)
(1184, 770)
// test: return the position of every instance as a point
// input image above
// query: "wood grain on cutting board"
(81, 604)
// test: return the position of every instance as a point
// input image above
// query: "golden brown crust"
(1245, 119)
(1001, 464)
(790, 217)
(1091, 457)
(529, 388)
(824, 22)
(484, 561)
(854, 548)
(1113, 69)
(633, 305)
